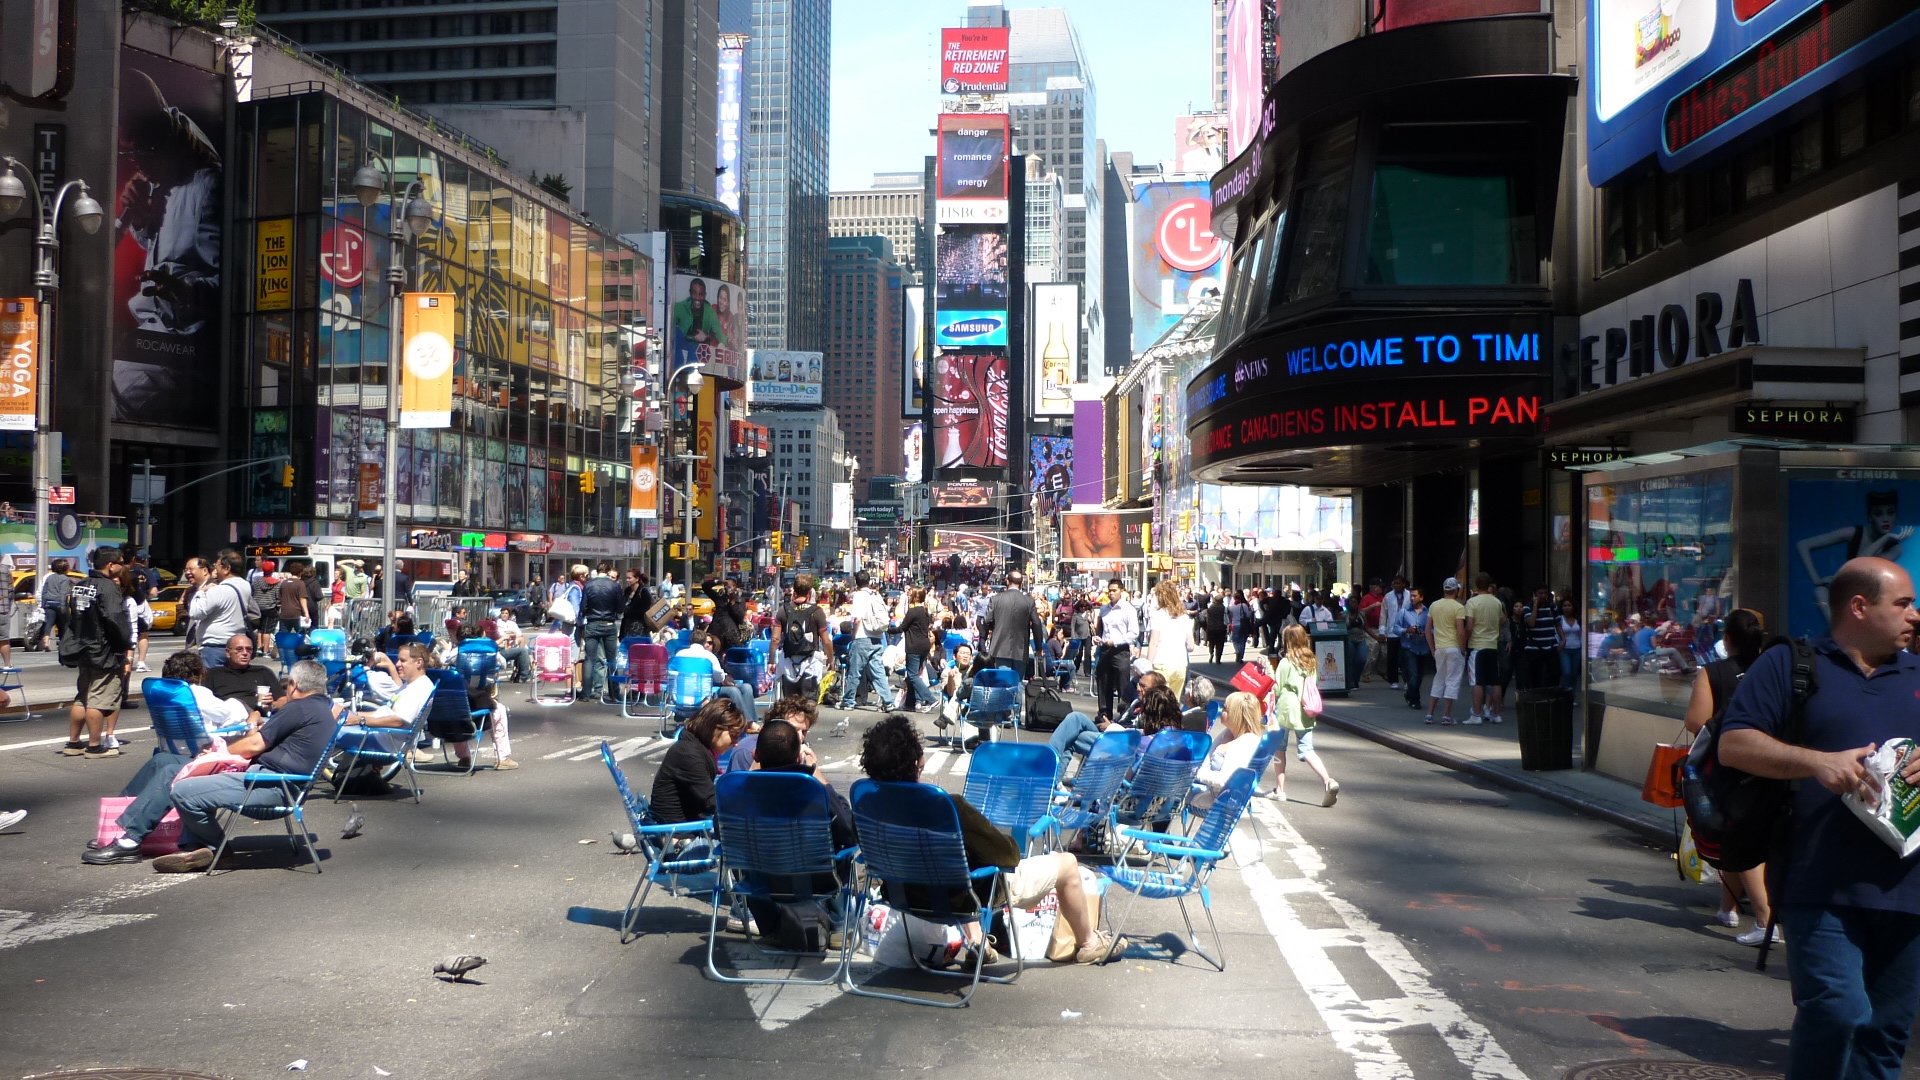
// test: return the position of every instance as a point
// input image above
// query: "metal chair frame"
(1182, 866)
(294, 789)
(657, 844)
(777, 857)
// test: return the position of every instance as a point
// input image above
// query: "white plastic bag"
(893, 657)
(1895, 815)
(886, 933)
(1033, 929)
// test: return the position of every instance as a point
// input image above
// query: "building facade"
(863, 365)
(808, 459)
(787, 127)
(896, 212)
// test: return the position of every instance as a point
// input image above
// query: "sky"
(1150, 60)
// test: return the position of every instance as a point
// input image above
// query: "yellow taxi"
(166, 609)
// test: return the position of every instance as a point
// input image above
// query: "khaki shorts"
(101, 689)
(1032, 880)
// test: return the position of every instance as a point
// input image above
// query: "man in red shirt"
(1370, 616)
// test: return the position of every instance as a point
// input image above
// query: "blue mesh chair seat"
(996, 698)
(1012, 785)
(617, 667)
(952, 642)
(1179, 867)
(391, 747)
(679, 858)
(291, 807)
(450, 715)
(1100, 779)
(689, 685)
(775, 833)
(916, 863)
(287, 644)
(741, 667)
(1162, 780)
(177, 724)
(1068, 663)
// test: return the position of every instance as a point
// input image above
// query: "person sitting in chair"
(797, 711)
(292, 742)
(240, 679)
(683, 788)
(780, 747)
(890, 752)
(416, 691)
(723, 684)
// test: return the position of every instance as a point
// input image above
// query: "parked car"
(166, 609)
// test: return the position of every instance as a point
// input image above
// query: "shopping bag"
(1693, 867)
(1662, 786)
(1253, 679)
(1033, 930)
(163, 840)
(1062, 947)
(887, 933)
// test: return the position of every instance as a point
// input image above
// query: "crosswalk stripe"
(647, 749)
(621, 750)
(568, 750)
(960, 763)
(933, 763)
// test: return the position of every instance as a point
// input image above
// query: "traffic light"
(286, 477)
(683, 551)
(776, 541)
(586, 482)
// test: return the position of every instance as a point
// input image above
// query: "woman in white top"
(1240, 733)
(1170, 636)
(1572, 640)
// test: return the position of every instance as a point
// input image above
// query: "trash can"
(1546, 729)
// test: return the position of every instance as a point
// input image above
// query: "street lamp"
(46, 284)
(853, 523)
(694, 381)
(408, 216)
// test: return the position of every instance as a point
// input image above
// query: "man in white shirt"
(1119, 628)
(512, 645)
(723, 684)
(405, 707)
(863, 652)
(219, 608)
(1391, 606)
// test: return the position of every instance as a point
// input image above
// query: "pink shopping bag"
(163, 840)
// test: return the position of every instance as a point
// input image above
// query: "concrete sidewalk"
(1492, 753)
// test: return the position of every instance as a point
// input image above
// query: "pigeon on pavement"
(458, 966)
(355, 822)
(625, 841)
(840, 729)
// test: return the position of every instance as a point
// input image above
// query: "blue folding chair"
(775, 832)
(679, 858)
(916, 863)
(689, 685)
(996, 699)
(1063, 668)
(1012, 784)
(742, 669)
(450, 715)
(1101, 777)
(1181, 866)
(391, 747)
(177, 723)
(1162, 780)
(617, 667)
(952, 642)
(286, 644)
(293, 789)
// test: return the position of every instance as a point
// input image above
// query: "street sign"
(147, 488)
(60, 496)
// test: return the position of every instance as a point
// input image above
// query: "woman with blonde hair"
(1170, 636)
(1241, 733)
(1290, 676)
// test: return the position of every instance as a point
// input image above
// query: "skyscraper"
(604, 94)
(895, 211)
(788, 80)
(862, 377)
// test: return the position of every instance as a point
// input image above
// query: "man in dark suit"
(1012, 628)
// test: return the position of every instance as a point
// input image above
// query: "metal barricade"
(361, 619)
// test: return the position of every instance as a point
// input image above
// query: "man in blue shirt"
(1850, 907)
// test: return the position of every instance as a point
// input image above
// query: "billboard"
(1050, 470)
(962, 494)
(842, 514)
(1246, 72)
(970, 411)
(973, 60)
(707, 325)
(1175, 256)
(1089, 451)
(19, 363)
(1680, 79)
(782, 377)
(914, 453)
(1103, 537)
(1053, 348)
(726, 160)
(643, 494)
(970, 288)
(1273, 518)
(971, 185)
(167, 214)
(1200, 143)
(913, 380)
(426, 360)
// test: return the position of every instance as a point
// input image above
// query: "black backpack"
(797, 630)
(1745, 816)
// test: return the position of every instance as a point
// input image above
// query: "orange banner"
(705, 447)
(19, 363)
(643, 495)
(426, 361)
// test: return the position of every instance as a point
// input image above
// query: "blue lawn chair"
(952, 642)
(287, 645)
(1101, 777)
(680, 858)
(742, 669)
(1181, 866)
(176, 717)
(689, 685)
(450, 715)
(392, 747)
(617, 667)
(775, 833)
(290, 809)
(1012, 784)
(1162, 780)
(916, 863)
(1068, 663)
(996, 699)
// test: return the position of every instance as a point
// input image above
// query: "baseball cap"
(1450, 585)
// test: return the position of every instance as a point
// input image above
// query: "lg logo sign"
(1184, 236)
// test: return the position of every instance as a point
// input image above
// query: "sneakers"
(184, 862)
(74, 747)
(141, 666)
(1728, 918)
(1472, 719)
(1099, 948)
(101, 751)
(111, 854)
(1757, 935)
(1493, 718)
(10, 818)
(1447, 721)
(505, 764)
(1333, 793)
(112, 742)
(1429, 716)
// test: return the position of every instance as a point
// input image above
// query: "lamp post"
(694, 381)
(414, 214)
(853, 523)
(46, 286)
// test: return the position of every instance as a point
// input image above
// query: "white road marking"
(572, 749)
(960, 763)
(775, 1006)
(1359, 1027)
(61, 740)
(19, 928)
(933, 762)
(621, 750)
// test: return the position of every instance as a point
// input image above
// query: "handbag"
(1253, 679)
(1662, 786)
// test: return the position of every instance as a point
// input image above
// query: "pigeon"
(625, 841)
(355, 822)
(458, 966)
(840, 729)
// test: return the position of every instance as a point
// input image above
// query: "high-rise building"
(1219, 43)
(1046, 225)
(614, 97)
(788, 80)
(895, 207)
(807, 460)
(861, 383)
(1112, 341)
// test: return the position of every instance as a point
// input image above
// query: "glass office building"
(787, 99)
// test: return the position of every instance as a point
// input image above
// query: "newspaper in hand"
(1895, 815)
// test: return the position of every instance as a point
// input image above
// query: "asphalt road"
(1424, 927)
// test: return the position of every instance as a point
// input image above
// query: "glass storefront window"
(1659, 579)
(1313, 263)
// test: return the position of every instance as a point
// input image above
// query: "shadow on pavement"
(1710, 1041)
